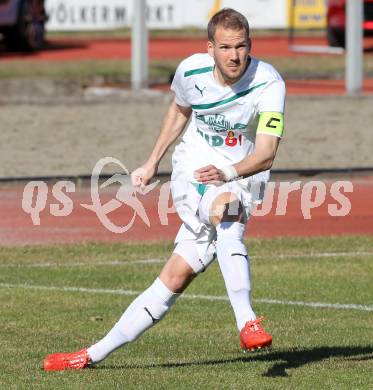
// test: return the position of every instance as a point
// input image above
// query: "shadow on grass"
(283, 360)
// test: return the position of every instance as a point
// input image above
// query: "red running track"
(159, 48)
(16, 227)
(73, 49)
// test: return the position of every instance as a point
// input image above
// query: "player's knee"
(226, 208)
(198, 255)
(178, 282)
(177, 274)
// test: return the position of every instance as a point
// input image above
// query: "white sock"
(234, 264)
(145, 311)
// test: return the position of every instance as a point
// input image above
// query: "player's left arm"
(262, 159)
(269, 133)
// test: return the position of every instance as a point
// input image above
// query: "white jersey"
(223, 125)
(222, 129)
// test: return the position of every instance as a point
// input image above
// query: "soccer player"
(235, 104)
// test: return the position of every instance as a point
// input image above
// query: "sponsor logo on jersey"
(218, 123)
(231, 139)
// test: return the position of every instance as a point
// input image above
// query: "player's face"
(230, 51)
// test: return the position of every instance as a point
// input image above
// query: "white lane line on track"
(318, 305)
(160, 261)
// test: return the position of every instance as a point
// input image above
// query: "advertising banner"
(80, 15)
(307, 13)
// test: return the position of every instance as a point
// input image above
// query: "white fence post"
(354, 46)
(139, 40)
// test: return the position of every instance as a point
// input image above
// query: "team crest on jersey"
(218, 123)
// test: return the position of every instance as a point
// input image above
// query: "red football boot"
(253, 336)
(67, 361)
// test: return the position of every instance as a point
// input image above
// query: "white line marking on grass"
(346, 306)
(84, 264)
(161, 261)
(337, 306)
(316, 254)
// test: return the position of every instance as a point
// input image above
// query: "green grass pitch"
(44, 309)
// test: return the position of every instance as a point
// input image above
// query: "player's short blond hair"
(227, 18)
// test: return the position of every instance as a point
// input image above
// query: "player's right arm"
(172, 126)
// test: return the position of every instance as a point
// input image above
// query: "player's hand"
(140, 177)
(209, 175)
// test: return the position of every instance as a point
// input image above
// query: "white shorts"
(197, 245)
(193, 200)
